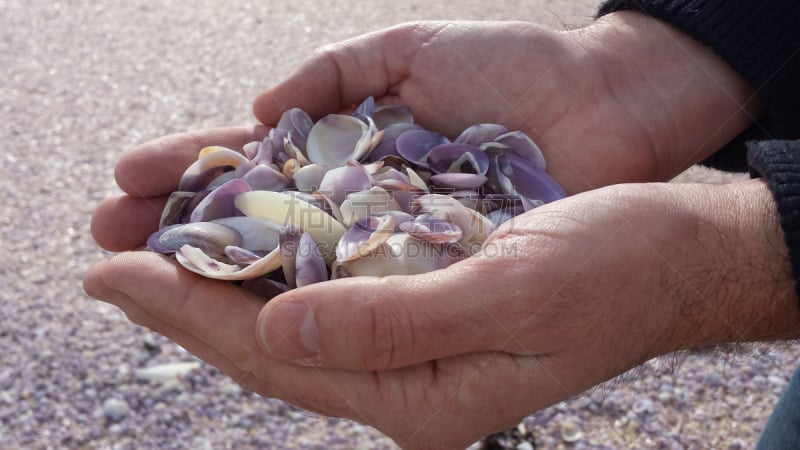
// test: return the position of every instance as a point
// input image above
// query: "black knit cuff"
(760, 39)
(778, 162)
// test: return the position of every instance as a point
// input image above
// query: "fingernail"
(289, 331)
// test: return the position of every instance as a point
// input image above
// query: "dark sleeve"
(760, 39)
(779, 163)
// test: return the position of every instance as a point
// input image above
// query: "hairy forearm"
(738, 287)
(688, 98)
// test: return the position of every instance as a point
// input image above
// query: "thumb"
(383, 323)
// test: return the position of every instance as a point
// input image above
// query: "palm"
(453, 76)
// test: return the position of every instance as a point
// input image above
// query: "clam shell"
(336, 139)
(210, 158)
(283, 209)
(367, 203)
(197, 261)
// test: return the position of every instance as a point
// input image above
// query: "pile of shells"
(370, 193)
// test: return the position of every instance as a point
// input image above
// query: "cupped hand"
(566, 296)
(625, 99)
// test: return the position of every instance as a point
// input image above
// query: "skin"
(563, 298)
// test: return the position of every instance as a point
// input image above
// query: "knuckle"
(388, 330)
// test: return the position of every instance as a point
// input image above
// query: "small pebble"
(166, 372)
(115, 409)
(570, 432)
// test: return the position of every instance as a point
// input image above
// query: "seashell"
(517, 176)
(197, 261)
(458, 158)
(210, 158)
(265, 178)
(289, 242)
(387, 147)
(341, 181)
(430, 229)
(173, 210)
(283, 209)
(223, 178)
(241, 256)
(310, 263)
(481, 133)
(474, 226)
(290, 167)
(521, 145)
(414, 145)
(336, 139)
(220, 202)
(297, 124)
(364, 236)
(370, 202)
(366, 108)
(402, 254)
(460, 181)
(256, 234)
(211, 238)
(309, 178)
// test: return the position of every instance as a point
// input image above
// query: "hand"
(625, 99)
(570, 295)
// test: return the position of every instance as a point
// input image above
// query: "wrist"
(737, 286)
(689, 101)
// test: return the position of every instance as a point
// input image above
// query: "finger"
(154, 169)
(377, 324)
(215, 320)
(438, 393)
(125, 222)
(343, 74)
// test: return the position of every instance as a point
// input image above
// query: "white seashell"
(198, 262)
(308, 178)
(283, 209)
(367, 203)
(401, 254)
(166, 372)
(337, 138)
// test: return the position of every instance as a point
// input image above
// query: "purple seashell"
(153, 241)
(430, 229)
(289, 243)
(341, 181)
(276, 140)
(251, 149)
(309, 264)
(209, 237)
(264, 287)
(468, 181)
(366, 108)
(265, 178)
(192, 204)
(203, 179)
(309, 178)
(414, 145)
(527, 181)
(363, 236)
(220, 203)
(388, 145)
(481, 133)
(241, 256)
(458, 158)
(520, 144)
(176, 205)
(297, 124)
